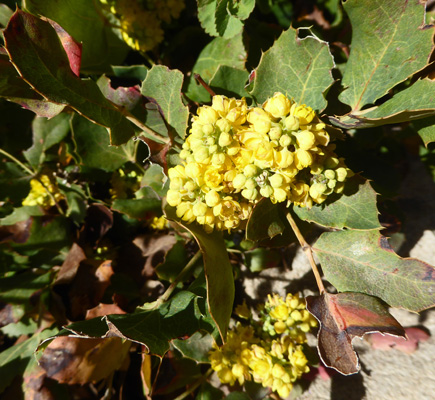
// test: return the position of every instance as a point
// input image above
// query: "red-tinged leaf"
(79, 361)
(38, 55)
(72, 48)
(415, 336)
(127, 97)
(342, 317)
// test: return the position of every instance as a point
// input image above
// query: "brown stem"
(204, 85)
(308, 252)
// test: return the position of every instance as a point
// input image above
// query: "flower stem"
(195, 385)
(165, 296)
(18, 162)
(153, 134)
(308, 252)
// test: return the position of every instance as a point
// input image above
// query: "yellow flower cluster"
(271, 356)
(236, 155)
(124, 185)
(140, 20)
(39, 194)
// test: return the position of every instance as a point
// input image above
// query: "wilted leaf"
(37, 53)
(380, 58)
(354, 209)
(409, 345)
(343, 316)
(299, 68)
(363, 261)
(218, 272)
(69, 268)
(218, 53)
(79, 361)
(417, 101)
(46, 133)
(164, 87)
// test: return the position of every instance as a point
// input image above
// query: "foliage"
(153, 153)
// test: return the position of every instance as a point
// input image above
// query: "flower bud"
(303, 159)
(224, 125)
(329, 174)
(199, 209)
(291, 123)
(173, 197)
(250, 194)
(239, 181)
(305, 139)
(250, 170)
(207, 115)
(212, 198)
(279, 194)
(285, 140)
(341, 174)
(305, 114)
(278, 105)
(201, 154)
(275, 132)
(225, 139)
(266, 191)
(276, 181)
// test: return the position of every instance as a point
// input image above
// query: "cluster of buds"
(236, 155)
(124, 185)
(43, 192)
(269, 350)
(140, 21)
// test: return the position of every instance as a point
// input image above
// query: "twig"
(145, 128)
(204, 85)
(194, 386)
(165, 296)
(18, 162)
(308, 252)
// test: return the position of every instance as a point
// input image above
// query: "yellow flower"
(42, 193)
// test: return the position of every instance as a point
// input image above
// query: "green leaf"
(218, 272)
(224, 17)
(84, 21)
(389, 43)
(354, 209)
(426, 129)
(21, 214)
(164, 87)
(5, 14)
(363, 261)
(15, 359)
(46, 133)
(208, 392)
(37, 53)
(412, 103)
(16, 90)
(230, 81)
(76, 200)
(180, 316)
(93, 147)
(299, 68)
(196, 347)
(18, 289)
(138, 208)
(175, 260)
(155, 178)
(219, 52)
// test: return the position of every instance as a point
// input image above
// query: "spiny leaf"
(362, 261)
(230, 81)
(16, 90)
(93, 147)
(299, 68)
(218, 272)
(426, 129)
(83, 20)
(154, 328)
(46, 133)
(343, 316)
(390, 42)
(219, 52)
(164, 86)
(37, 53)
(223, 17)
(354, 209)
(417, 101)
